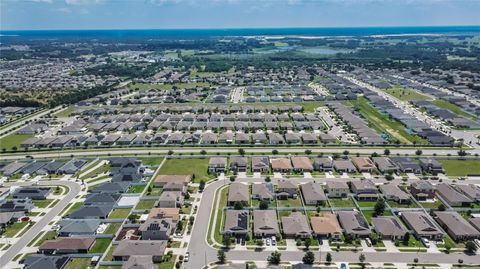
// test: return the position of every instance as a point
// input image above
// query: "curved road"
(74, 189)
(202, 254)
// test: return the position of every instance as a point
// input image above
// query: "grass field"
(137, 188)
(311, 106)
(100, 245)
(119, 213)
(461, 167)
(42, 203)
(290, 203)
(453, 108)
(13, 140)
(151, 161)
(169, 264)
(406, 94)
(147, 86)
(47, 236)
(219, 219)
(381, 123)
(99, 170)
(341, 203)
(197, 167)
(66, 112)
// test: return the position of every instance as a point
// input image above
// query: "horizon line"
(242, 28)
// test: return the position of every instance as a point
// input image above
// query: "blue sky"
(158, 14)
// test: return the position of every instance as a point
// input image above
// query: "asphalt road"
(202, 254)
(37, 227)
(224, 150)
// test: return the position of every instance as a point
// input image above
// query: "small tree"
(418, 152)
(362, 259)
(308, 242)
(201, 185)
(133, 218)
(274, 152)
(308, 152)
(274, 258)
(309, 258)
(241, 152)
(232, 178)
(470, 247)
(203, 152)
(442, 207)
(263, 205)
(267, 179)
(259, 243)
(415, 260)
(406, 238)
(226, 241)
(221, 256)
(238, 206)
(379, 207)
(386, 152)
(328, 258)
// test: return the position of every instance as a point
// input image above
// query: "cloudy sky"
(157, 14)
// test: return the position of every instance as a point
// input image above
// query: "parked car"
(187, 255)
(426, 242)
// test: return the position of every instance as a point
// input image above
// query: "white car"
(267, 241)
(426, 242)
(187, 255)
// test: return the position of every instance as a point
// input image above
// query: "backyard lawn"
(195, 166)
(341, 203)
(151, 161)
(42, 203)
(256, 203)
(170, 264)
(79, 263)
(119, 213)
(145, 204)
(369, 215)
(100, 245)
(363, 204)
(112, 228)
(461, 167)
(137, 188)
(290, 203)
(13, 140)
(47, 236)
(434, 204)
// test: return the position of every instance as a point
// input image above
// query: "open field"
(461, 167)
(381, 123)
(196, 166)
(406, 94)
(12, 141)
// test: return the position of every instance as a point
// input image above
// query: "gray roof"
(421, 223)
(265, 221)
(394, 191)
(140, 247)
(236, 221)
(296, 223)
(79, 226)
(456, 224)
(138, 262)
(313, 192)
(452, 195)
(353, 222)
(238, 192)
(388, 226)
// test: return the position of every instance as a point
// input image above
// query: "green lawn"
(151, 161)
(369, 215)
(136, 188)
(74, 207)
(76, 263)
(406, 94)
(311, 106)
(100, 245)
(196, 166)
(394, 204)
(47, 236)
(256, 203)
(109, 255)
(435, 204)
(382, 124)
(338, 202)
(219, 208)
(169, 264)
(14, 228)
(13, 140)
(364, 204)
(66, 112)
(156, 191)
(461, 167)
(453, 108)
(42, 203)
(290, 203)
(112, 228)
(102, 169)
(119, 213)
(145, 204)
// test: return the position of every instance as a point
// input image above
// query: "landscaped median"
(216, 217)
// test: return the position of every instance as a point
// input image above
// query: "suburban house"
(16, 205)
(326, 226)
(354, 223)
(296, 226)
(422, 190)
(344, 166)
(162, 180)
(260, 164)
(67, 245)
(40, 261)
(78, 227)
(452, 196)
(337, 189)
(139, 262)
(111, 187)
(394, 193)
(422, 225)
(365, 190)
(72, 166)
(263, 191)
(430, 165)
(406, 165)
(281, 165)
(152, 248)
(388, 227)
(239, 164)
(32, 193)
(217, 165)
(286, 189)
(91, 212)
(385, 164)
(302, 164)
(236, 223)
(156, 229)
(363, 164)
(456, 226)
(265, 223)
(163, 212)
(471, 191)
(323, 164)
(313, 193)
(171, 199)
(238, 193)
